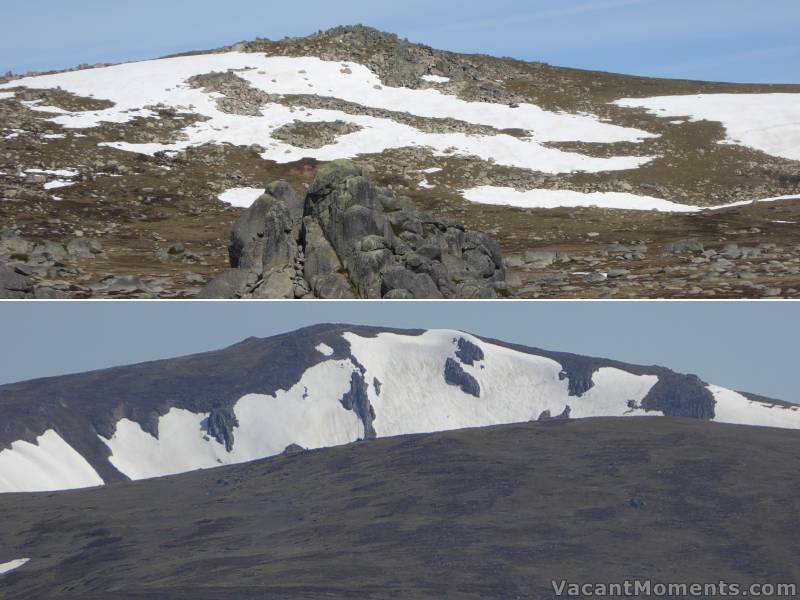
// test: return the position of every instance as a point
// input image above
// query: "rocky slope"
(484, 513)
(544, 159)
(323, 386)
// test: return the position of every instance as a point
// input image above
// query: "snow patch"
(424, 184)
(515, 386)
(766, 122)
(132, 86)
(308, 414)
(11, 565)
(435, 78)
(546, 198)
(324, 349)
(733, 407)
(6, 95)
(58, 183)
(49, 464)
(241, 197)
(56, 172)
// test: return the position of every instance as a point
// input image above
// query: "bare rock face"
(349, 238)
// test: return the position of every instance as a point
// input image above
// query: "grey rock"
(351, 238)
(265, 235)
(467, 352)
(13, 285)
(85, 248)
(419, 285)
(333, 286)
(320, 257)
(454, 374)
(232, 283)
(688, 245)
(48, 253)
(276, 285)
(398, 294)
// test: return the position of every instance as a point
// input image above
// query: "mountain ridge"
(325, 385)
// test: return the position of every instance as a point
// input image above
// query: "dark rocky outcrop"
(349, 238)
(546, 416)
(467, 352)
(219, 425)
(356, 399)
(679, 395)
(579, 380)
(293, 449)
(454, 374)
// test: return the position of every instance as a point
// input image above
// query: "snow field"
(766, 122)
(135, 86)
(241, 197)
(546, 198)
(733, 407)
(308, 414)
(49, 464)
(13, 564)
(515, 387)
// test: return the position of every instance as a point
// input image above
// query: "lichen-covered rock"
(349, 238)
(265, 235)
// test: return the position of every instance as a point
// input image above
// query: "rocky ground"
(163, 232)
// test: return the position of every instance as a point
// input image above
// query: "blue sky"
(750, 346)
(731, 40)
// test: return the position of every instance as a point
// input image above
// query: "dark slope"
(482, 513)
(82, 406)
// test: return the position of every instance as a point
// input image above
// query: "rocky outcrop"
(678, 395)
(356, 399)
(220, 424)
(547, 416)
(349, 238)
(467, 352)
(454, 374)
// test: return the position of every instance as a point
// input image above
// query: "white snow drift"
(514, 386)
(49, 464)
(13, 564)
(766, 122)
(136, 88)
(309, 414)
(435, 79)
(547, 198)
(733, 407)
(241, 197)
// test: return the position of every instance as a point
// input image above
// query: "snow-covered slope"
(513, 386)
(13, 564)
(733, 407)
(351, 384)
(137, 88)
(309, 414)
(49, 464)
(766, 122)
(547, 198)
